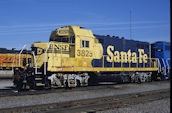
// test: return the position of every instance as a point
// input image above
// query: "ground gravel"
(158, 106)
(28, 100)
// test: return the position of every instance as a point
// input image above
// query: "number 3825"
(85, 53)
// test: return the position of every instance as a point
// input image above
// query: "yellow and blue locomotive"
(75, 57)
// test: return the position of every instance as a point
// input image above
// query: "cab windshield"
(57, 38)
(65, 39)
(62, 39)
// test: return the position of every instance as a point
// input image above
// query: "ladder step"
(39, 73)
(158, 78)
(38, 78)
(40, 84)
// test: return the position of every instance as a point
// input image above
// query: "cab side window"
(85, 44)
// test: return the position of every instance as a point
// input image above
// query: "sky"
(28, 21)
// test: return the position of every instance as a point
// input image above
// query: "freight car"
(75, 57)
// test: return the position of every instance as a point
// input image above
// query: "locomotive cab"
(69, 46)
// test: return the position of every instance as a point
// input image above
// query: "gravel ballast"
(28, 100)
(158, 106)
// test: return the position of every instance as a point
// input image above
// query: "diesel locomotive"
(74, 56)
(11, 59)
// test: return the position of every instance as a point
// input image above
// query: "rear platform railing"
(45, 58)
(35, 66)
(168, 65)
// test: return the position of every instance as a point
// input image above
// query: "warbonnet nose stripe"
(38, 50)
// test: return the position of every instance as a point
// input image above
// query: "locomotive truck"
(74, 56)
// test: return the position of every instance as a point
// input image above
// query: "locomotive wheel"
(49, 83)
(30, 81)
(93, 80)
(78, 83)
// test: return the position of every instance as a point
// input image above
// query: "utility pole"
(130, 26)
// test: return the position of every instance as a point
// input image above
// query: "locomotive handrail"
(168, 64)
(19, 57)
(159, 65)
(153, 60)
(36, 71)
(21, 52)
(164, 66)
(13, 63)
(156, 62)
(137, 64)
(45, 58)
(103, 60)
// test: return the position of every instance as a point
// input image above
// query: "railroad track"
(95, 104)
(10, 92)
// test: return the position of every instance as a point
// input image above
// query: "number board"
(85, 53)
